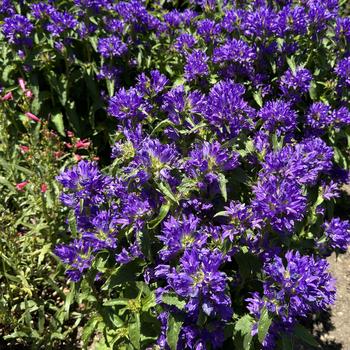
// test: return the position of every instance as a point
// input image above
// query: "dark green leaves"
(304, 334)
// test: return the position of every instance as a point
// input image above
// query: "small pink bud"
(82, 144)
(29, 94)
(20, 186)
(43, 188)
(70, 133)
(96, 159)
(7, 97)
(24, 149)
(58, 154)
(22, 84)
(68, 145)
(33, 117)
(78, 157)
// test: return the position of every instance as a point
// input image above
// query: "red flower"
(43, 187)
(20, 186)
(82, 144)
(7, 97)
(33, 117)
(24, 149)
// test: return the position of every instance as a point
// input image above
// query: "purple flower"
(60, 22)
(303, 162)
(208, 30)
(209, 159)
(278, 117)
(196, 65)
(294, 289)
(173, 18)
(318, 116)
(128, 105)
(199, 281)
(85, 181)
(343, 71)
(152, 85)
(236, 51)
(153, 159)
(226, 110)
(340, 117)
(279, 202)
(178, 104)
(337, 234)
(77, 255)
(342, 28)
(260, 22)
(111, 47)
(240, 219)
(184, 42)
(6, 8)
(108, 72)
(294, 84)
(178, 235)
(17, 29)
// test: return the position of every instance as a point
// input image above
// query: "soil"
(332, 329)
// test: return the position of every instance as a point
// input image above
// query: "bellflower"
(111, 47)
(17, 29)
(196, 65)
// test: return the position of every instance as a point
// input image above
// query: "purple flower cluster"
(293, 287)
(229, 148)
(17, 29)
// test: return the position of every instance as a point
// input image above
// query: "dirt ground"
(333, 328)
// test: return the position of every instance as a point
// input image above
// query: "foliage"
(35, 297)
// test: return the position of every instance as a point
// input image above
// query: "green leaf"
(303, 334)
(57, 119)
(257, 98)
(125, 273)
(313, 91)
(166, 190)
(291, 64)
(173, 299)
(164, 210)
(173, 331)
(120, 301)
(134, 332)
(89, 329)
(222, 185)
(161, 125)
(44, 250)
(69, 300)
(244, 326)
(287, 343)
(263, 324)
(72, 224)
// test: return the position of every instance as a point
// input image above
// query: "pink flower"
(7, 97)
(82, 144)
(22, 84)
(29, 94)
(43, 187)
(20, 186)
(24, 149)
(33, 117)
(70, 133)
